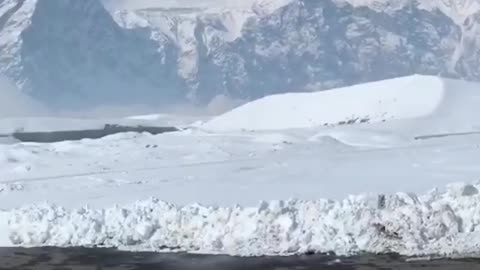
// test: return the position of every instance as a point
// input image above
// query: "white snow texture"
(434, 224)
(411, 97)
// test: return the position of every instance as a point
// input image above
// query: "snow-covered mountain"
(68, 51)
(65, 51)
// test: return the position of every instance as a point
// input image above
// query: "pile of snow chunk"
(433, 224)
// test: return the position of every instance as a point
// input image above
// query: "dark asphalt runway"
(96, 259)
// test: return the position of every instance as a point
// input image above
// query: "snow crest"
(411, 97)
(433, 224)
(400, 98)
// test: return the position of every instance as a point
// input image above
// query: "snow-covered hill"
(65, 51)
(451, 102)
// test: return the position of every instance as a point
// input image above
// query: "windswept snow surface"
(44, 188)
(410, 97)
(434, 224)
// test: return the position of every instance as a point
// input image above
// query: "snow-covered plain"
(279, 185)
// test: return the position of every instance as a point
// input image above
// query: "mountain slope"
(68, 52)
(293, 45)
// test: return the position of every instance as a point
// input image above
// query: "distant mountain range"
(73, 53)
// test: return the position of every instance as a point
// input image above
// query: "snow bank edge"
(445, 224)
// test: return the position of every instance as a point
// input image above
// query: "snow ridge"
(427, 98)
(433, 224)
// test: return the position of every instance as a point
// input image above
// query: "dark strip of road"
(109, 259)
(75, 135)
(443, 135)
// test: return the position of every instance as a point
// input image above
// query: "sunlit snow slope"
(413, 97)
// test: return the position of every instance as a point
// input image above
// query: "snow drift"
(433, 224)
(410, 97)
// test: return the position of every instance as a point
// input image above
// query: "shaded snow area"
(300, 155)
(433, 224)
